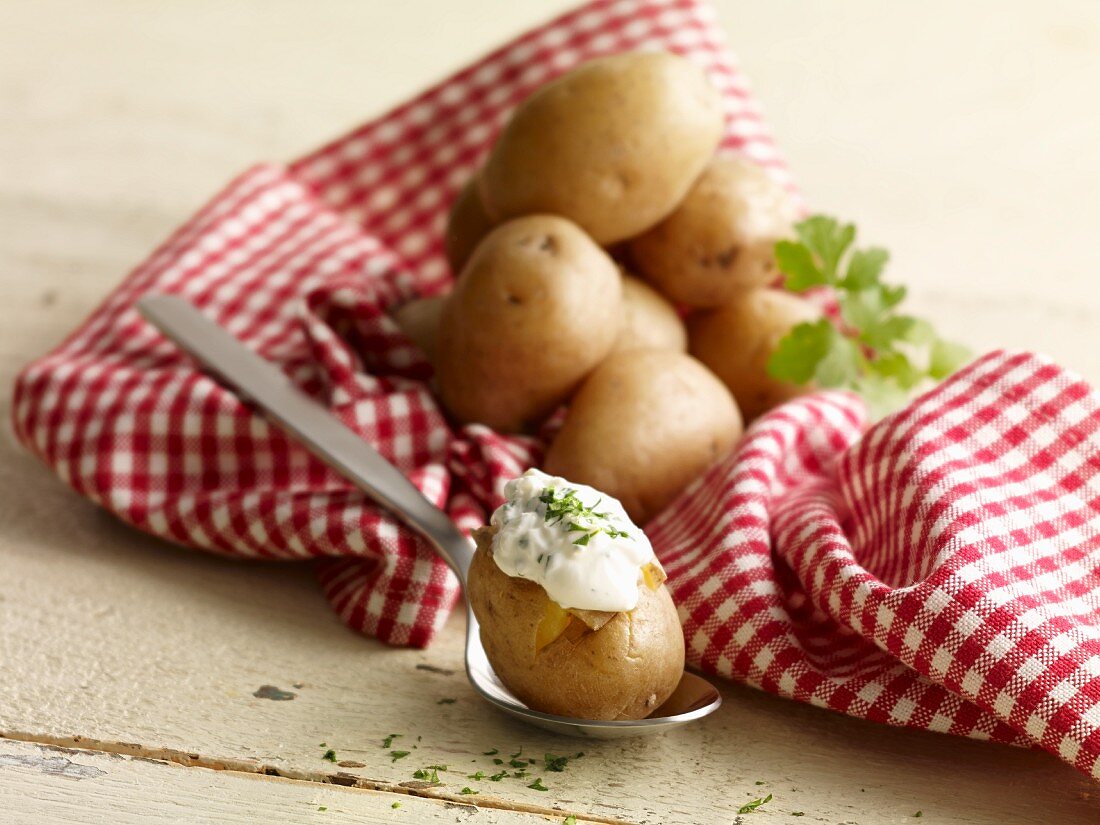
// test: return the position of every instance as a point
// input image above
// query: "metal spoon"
(327, 438)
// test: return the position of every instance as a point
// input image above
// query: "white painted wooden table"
(962, 136)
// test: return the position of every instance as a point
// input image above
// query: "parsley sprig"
(569, 509)
(875, 350)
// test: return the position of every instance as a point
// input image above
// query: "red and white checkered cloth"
(939, 572)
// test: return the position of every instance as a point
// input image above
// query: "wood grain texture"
(955, 134)
(63, 786)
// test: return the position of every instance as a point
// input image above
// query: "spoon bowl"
(316, 429)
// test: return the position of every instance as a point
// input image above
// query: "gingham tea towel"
(939, 572)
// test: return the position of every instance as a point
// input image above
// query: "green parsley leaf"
(798, 813)
(876, 350)
(446, 701)
(947, 357)
(388, 741)
(797, 262)
(569, 820)
(479, 775)
(749, 807)
(918, 814)
(800, 351)
(841, 365)
(493, 752)
(538, 786)
(468, 791)
(330, 755)
(882, 394)
(395, 805)
(865, 268)
(828, 240)
(395, 755)
(496, 777)
(322, 808)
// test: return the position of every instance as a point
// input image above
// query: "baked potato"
(583, 664)
(537, 307)
(720, 239)
(737, 339)
(644, 425)
(419, 320)
(649, 321)
(467, 224)
(613, 145)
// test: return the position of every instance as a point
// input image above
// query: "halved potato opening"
(574, 623)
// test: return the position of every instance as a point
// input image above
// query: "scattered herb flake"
(798, 813)
(323, 745)
(538, 786)
(493, 752)
(918, 814)
(427, 774)
(446, 701)
(759, 782)
(581, 519)
(468, 790)
(516, 763)
(749, 807)
(498, 761)
(569, 820)
(437, 767)
(395, 805)
(330, 755)
(521, 774)
(555, 763)
(395, 755)
(322, 808)
(496, 777)
(388, 741)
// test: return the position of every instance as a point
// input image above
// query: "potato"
(624, 670)
(721, 238)
(644, 425)
(736, 341)
(467, 224)
(612, 145)
(649, 321)
(419, 320)
(537, 307)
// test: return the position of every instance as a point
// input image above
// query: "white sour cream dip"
(576, 542)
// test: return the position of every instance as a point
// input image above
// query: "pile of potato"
(601, 240)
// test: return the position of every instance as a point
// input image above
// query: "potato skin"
(613, 145)
(644, 424)
(720, 239)
(467, 224)
(537, 307)
(419, 320)
(736, 341)
(624, 670)
(649, 321)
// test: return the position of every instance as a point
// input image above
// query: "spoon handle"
(309, 423)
